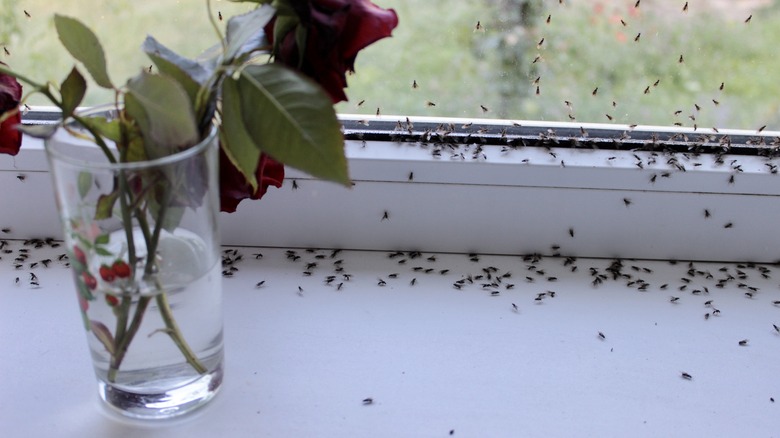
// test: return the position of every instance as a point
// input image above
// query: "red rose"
(233, 187)
(10, 95)
(337, 31)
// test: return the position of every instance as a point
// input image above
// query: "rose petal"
(234, 187)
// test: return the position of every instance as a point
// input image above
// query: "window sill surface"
(433, 358)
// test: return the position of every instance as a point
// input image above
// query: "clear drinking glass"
(144, 251)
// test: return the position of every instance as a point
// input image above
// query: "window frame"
(576, 195)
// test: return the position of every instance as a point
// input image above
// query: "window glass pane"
(615, 62)
(610, 61)
(121, 26)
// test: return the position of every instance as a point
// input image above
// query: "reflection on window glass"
(700, 63)
(710, 64)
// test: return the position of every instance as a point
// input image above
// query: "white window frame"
(498, 203)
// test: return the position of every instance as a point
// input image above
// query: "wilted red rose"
(10, 95)
(233, 187)
(337, 31)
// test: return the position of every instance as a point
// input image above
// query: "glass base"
(165, 404)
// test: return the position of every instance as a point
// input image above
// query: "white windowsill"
(434, 358)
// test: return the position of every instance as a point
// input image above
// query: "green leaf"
(236, 142)
(103, 334)
(102, 239)
(106, 128)
(164, 113)
(172, 218)
(105, 205)
(38, 131)
(72, 90)
(83, 45)
(189, 74)
(282, 26)
(293, 120)
(251, 1)
(245, 32)
(84, 183)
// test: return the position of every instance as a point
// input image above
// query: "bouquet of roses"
(268, 91)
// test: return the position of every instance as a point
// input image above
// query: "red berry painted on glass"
(79, 255)
(112, 300)
(89, 280)
(107, 274)
(83, 303)
(121, 269)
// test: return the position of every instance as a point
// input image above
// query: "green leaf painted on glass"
(102, 239)
(83, 45)
(103, 252)
(245, 32)
(72, 90)
(84, 183)
(236, 142)
(293, 120)
(103, 334)
(83, 289)
(163, 112)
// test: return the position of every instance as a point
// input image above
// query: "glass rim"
(132, 165)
